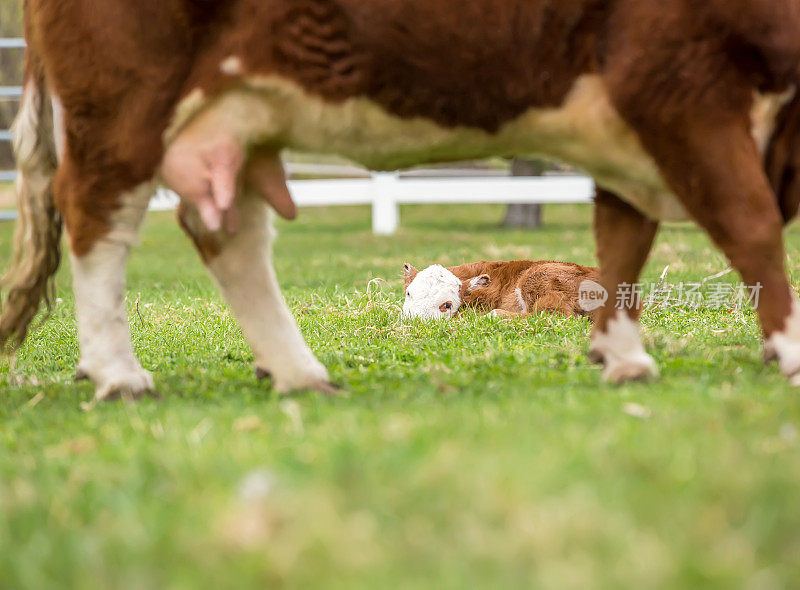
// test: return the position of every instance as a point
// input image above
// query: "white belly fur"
(585, 131)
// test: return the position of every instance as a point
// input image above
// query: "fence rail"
(14, 93)
(386, 191)
(10, 91)
(341, 185)
(12, 43)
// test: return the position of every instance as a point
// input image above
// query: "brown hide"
(543, 286)
(783, 160)
(121, 67)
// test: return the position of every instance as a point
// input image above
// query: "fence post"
(385, 210)
(526, 215)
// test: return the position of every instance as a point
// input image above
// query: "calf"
(515, 288)
(677, 108)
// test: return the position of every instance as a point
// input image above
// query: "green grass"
(470, 454)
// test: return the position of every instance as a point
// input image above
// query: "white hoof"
(787, 354)
(785, 346)
(131, 384)
(620, 349)
(640, 368)
(310, 375)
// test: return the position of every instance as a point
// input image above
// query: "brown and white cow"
(678, 108)
(505, 288)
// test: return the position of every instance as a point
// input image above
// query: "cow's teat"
(206, 165)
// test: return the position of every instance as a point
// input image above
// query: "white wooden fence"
(9, 93)
(385, 192)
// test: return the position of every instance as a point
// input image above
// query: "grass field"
(471, 454)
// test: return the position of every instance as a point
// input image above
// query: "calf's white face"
(432, 293)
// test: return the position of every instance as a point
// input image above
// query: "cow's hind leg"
(241, 263)
(98, 269)
(712, 162)
(624, 237)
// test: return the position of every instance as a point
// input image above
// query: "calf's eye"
(446, 306)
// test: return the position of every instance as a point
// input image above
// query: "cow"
(507, 289)
(679, 110)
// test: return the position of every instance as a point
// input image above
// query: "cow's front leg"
(241, 263)
(624, 238)
(98, 276)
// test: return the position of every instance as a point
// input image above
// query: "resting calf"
(515, 288)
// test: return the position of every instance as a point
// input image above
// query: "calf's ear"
(478, 282)
(409, 272)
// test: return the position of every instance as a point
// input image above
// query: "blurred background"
(10, 70)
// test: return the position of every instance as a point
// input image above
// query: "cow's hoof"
(302, 373)
(639, 368)
(785, 345)
(787, 357)
(130, 387)
(125, 393)
(323, 386)
(320, 386)
(315, 378)
(595, 357)
(770, 354)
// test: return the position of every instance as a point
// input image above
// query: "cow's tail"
(37, 234)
